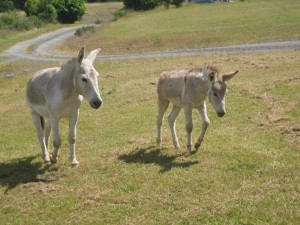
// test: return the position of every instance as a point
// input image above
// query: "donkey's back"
(170, 86)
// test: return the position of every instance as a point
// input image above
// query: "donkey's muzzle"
(95, 104)
(220, 114)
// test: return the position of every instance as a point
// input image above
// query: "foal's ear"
(93, 54)
(80, 55)
(228, 76)
(211, 76)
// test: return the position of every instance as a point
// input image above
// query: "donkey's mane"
(70, 61)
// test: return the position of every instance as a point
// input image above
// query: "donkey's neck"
(67, 77)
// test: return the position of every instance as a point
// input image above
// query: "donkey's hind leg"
(172, 123)
(56, 139)
(38, 123)
(47, 131)
(162, 107)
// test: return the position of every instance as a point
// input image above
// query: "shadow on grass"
(153, 155)
(22, 171)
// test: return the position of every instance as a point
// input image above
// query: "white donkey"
(57, 93)
(189, 89)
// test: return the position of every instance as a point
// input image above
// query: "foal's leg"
(40, 135)
(162, 107)
(172, 122)
(188, 126)
(56, 139)
(72, 138)
(205, 123)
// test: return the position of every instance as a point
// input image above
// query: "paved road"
(43, 45)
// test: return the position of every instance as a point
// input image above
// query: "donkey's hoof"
(53, 159)
(74, 164)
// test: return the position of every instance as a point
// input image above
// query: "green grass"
(198, 25)
(246, 172)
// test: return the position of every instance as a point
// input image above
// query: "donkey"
(56, 93)
(189, 89)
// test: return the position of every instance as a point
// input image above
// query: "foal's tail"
(42, 122)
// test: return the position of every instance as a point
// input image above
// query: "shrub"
(69, 11)
(141, 4)
(177, 3)
(31, 7)
(13, 21)
(6, 5)
(49, 14)
(80, 31)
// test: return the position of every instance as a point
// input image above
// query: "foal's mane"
(206, 68)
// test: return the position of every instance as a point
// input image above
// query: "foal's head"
(86, 79)
(217, 89)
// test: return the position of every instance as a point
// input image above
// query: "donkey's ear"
(228, 76)
(211, 76)
(93, 54)
(80, 55)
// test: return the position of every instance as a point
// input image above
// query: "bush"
(80, 31)
(49, 14)
(19, 4)
(141, 4)
(6, 5)
(13, 21)
(177, 3)
(69, 11)
(32, 7)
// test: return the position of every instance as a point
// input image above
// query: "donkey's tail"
(42, 122)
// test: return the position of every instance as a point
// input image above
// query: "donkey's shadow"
(153, 155)
(23, 170)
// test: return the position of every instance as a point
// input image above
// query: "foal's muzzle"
(96, 103)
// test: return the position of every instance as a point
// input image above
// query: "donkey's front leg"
(56, 139)
(188, 126)
(205, 123)
(72, 138)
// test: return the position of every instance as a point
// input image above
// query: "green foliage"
(13, 21)
(84, 29)
(69, 11)
(19, 4)
(32, 7)
(6, 5)
(141, 4)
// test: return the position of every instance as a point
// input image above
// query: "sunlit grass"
(198, 25)
(246, 172)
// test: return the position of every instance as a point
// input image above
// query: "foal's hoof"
(197, 145)
(74, 163)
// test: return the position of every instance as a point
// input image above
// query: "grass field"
(197, 25)
(246, 172)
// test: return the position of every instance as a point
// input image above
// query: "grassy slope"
(198, 25)
(247, 171)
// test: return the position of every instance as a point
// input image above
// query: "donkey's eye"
(215, 94)
(84, 79)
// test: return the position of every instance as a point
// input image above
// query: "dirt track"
(44, 44)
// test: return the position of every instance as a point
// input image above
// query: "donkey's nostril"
(220, 114)
(96, 103)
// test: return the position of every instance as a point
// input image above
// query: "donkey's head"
(86, 81)
(217, 89)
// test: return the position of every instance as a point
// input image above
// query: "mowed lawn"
(196, 26)
(246, 172)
